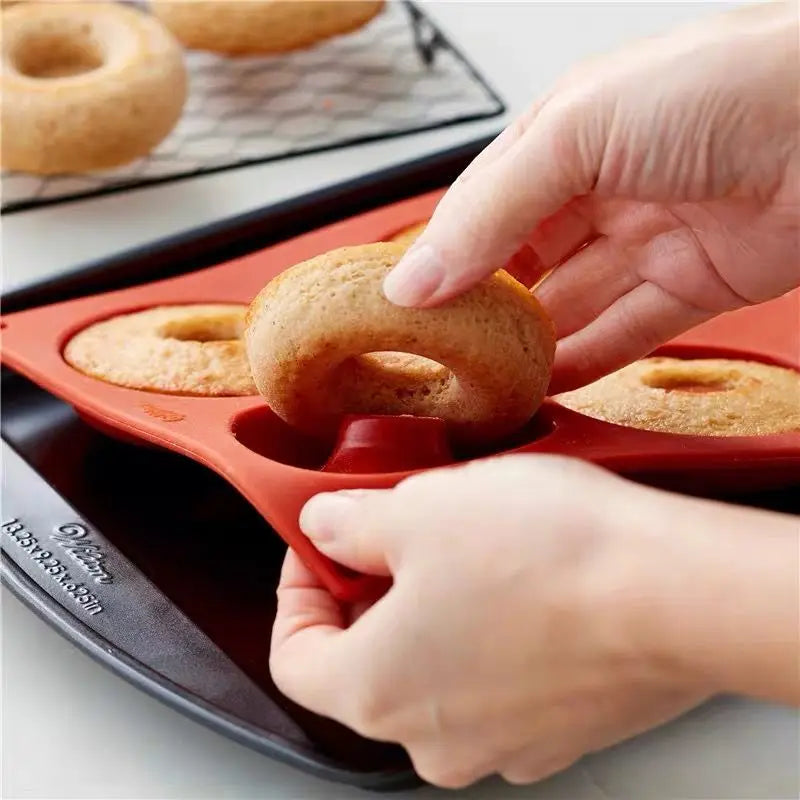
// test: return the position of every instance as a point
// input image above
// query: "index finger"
(482, 222)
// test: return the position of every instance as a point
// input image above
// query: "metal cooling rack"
(397, 75)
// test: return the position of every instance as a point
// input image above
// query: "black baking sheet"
(188, 570)
(398, 75)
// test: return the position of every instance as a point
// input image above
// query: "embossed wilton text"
(52, 567)
(83, 551)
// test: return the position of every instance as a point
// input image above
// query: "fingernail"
(325, 515)
(418, 274)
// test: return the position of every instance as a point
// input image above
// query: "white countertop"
(71, 729)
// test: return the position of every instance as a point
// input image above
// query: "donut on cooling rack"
(253, 27)
(189, 350)
(323, 341)
(85, 85)
(703, 397)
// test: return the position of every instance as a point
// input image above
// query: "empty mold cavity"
(374, 444)
(365, 444)
(538, 428)
(371, 444)
(261, 430)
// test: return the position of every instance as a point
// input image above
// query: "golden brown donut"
(308, 329)
(190, 350)
(250, 27)
(703, 397)
(409, 235)
(85, 86)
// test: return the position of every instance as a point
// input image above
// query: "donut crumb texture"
(698, 397)
(187, 350)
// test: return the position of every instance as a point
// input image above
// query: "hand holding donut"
(533, 618)
(680, 174)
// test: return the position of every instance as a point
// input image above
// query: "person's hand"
(662, 183)
(540, 608)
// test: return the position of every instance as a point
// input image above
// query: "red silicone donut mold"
(277, 469)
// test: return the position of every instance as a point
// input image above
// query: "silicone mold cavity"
(368, 444)
(261, 430)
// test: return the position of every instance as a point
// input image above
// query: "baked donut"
(190, 350)
(702, 397)
(308, 329)
(251, 27)
(85, 86)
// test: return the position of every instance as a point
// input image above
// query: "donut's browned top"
(238, 27)
(407, 236)
(704, 397)
(192, 350)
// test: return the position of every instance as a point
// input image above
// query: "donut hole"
(690, 380)
(396, 363)
(392, 382)
(58, 53)
(204, 329)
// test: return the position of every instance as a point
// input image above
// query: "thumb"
(342, 526)
(482, 222)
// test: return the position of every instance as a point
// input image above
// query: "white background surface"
(71, 729)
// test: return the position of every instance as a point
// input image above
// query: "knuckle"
(371, 709)
(284, 677)
(445, 776)
(554, 470)
(299, 686)
(453, 779)
(578, 124)
(521, 124)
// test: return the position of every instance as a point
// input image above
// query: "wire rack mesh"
(397, 75)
